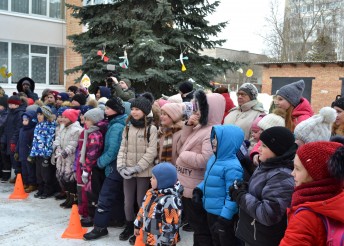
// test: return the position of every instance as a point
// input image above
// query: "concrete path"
(41, 222)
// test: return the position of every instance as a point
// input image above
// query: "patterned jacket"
(262, 214)
(43, 137)
(159, 216)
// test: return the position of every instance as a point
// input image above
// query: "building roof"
(295, 63)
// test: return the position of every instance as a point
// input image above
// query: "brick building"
(324, 79)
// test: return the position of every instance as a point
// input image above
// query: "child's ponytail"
(336, 164)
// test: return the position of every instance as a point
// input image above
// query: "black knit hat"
(339, 102)
(115, 104)
(278, 139)
(80, 98)
(3, 102)
(14, 100)
(186, 87)
(143, 104)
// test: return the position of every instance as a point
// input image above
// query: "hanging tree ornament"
(4, 72)
(249, 73)
(102, 53)
(85, 81)
(181, 59)
(125, 62)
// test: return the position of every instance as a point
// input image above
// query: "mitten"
(31, 159)
(84, 177)
(237, 190)
(134, 170)
(16, 156)
(197, 196)
(222, 224)
(64, 154)
(13, 147)
(125, 173)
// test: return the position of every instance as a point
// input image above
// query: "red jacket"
(229, 105)
(302, 112)
(306, 227)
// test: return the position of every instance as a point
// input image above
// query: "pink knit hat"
(174, 110)
(254, 126)
(71, 114)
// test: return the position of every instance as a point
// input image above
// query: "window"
(45, 65)
(48, 8)
(3, 58)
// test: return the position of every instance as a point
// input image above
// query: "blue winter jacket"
(112, 143)
(43, 137)
(223, 168)
(26, 136)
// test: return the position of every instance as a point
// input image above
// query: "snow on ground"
(41, 222)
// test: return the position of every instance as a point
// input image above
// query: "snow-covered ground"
(41, 222)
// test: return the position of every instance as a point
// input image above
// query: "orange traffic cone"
(19, 192)
(74, 229)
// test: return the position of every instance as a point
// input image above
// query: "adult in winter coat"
(223, 169)
(338, 126)
(66, 145)
(247, 111)
(122, 89)
(27, 85)
(264, 200)
(289, 98)
(111, 198)
(194, 152)
(318, 174)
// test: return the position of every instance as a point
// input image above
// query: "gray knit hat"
(292, 92)
(95, 115)
(316, 128)
(250, 90)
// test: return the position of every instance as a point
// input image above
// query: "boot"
(132, 240)
(86, 222)
(96, 233)
(31, 188)
(127, 232)
(61, 195)
(72, 200)
(62, 205)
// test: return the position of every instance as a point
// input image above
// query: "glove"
(134, 170)
(64, 154)
(197, 196)
(16, 156)
(30, 159)
(125, 173)
(84, 177)
(222, 225)
(237, 190)
(13, 147)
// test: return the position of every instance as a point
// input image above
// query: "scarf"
(166, 148)
(138, 123)
(83, 148)
(314, 191)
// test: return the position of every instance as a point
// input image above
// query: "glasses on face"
(241, 94)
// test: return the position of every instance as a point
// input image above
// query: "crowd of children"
(155, 166)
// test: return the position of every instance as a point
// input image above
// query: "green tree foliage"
(323, 49)
(153, 33)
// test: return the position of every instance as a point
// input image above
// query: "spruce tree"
(154, 33)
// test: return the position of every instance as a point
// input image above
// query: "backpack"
(334, 228)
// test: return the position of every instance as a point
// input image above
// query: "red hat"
(315, 158)
(71, 114)
(30, 101)
(54, 93)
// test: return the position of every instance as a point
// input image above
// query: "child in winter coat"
(264, 200)
(91, 150)
(23, 150)
(318, 175)
(169, 132)
(5, 163)
(41, 151)
(111, 199)
(136, 158)
(223, 168)
(194, 151)
(66, 145)
(11, 130)
(157, 221)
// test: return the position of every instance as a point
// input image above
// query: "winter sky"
(246, 21)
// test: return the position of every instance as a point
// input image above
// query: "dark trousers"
(97, 181)
(5, 164)
(28, 173)
(69, 186)
(111, 201)
(197, 218)
(221, 239)
(45, 176)
(15, 164)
